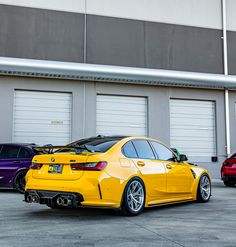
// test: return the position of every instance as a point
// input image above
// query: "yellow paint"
(165, 181)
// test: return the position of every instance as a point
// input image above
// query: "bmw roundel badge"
(52, 159)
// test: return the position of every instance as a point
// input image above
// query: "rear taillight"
(36, 166)
(227, 164)
(91, 166)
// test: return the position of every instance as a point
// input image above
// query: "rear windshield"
(100, 145)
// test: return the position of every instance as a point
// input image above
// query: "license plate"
(55, 168)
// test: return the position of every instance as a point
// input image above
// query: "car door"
(152, 170)
(179, 178)
(9, 163)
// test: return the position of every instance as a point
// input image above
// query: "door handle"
(140, 163)
(168, 166)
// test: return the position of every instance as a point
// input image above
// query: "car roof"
(20, 144)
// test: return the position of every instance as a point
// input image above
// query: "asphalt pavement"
(189, 224)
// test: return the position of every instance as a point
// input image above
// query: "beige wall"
(61, 5)
(200, 13)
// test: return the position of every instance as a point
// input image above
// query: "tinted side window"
(129, 150)
(9, 152)
(143, 149)
(163, 153)
(24, 153)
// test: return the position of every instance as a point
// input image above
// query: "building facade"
(78, 68)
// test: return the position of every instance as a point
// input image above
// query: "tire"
(19, 181)
(204, 189)
(229, 184)
(133, 197)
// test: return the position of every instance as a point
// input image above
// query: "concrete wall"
(41, 34)
(153, 45)
(55, 35)
(84, 107)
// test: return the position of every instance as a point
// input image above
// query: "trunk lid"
(57, 166)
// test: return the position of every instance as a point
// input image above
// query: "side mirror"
(176, 151)
(182, 157)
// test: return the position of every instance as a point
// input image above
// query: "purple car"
(15, 160)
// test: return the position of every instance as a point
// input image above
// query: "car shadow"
(96, 213)
(8, 190)
(78, 213)
(170, 206)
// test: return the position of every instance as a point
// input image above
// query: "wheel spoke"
(135, 196)
(137, 192)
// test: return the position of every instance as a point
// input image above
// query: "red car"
(228, 171)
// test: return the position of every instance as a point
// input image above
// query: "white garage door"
(121, 115)
(192, 128)
(42, 117)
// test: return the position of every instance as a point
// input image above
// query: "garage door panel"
(118, 131)
(41, 114)
(42, 117)
(124, 107)
(125, 119)
(196, 144)
(58, 106)
(38, 95)
(199, 112)
(121, 115)
(120, 99)
(123, 125)
(194, 121)
(43, 128)
(41, 139)
(192, 128)
(47, 121)
(193, 133)
(49, 133)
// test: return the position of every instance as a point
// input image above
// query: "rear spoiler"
(50, 149)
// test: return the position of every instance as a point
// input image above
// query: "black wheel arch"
(16, 174)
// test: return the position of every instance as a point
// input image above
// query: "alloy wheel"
(135, 196)
(205, 188)
(20, 182)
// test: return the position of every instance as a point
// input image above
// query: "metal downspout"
(85, 61)
(225, 54)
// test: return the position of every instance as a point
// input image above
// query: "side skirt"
(153, 204)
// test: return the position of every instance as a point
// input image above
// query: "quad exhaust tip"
(64, 201)
(32, 198)
(29, 199)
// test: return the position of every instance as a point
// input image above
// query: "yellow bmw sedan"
(127, 173)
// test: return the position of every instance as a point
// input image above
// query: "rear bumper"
(97, 191)
(229, 178)
(50, 197)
